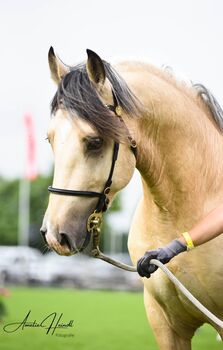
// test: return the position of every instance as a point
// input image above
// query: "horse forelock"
(79, 97)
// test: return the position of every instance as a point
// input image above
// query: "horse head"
(87, 134)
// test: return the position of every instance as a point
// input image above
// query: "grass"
(102, 320)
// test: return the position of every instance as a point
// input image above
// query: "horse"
(177, 128)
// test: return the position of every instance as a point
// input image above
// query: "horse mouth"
(65, 252)
(66, 243)
(64, 249)
(62, 246)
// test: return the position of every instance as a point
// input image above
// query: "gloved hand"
(164, 254)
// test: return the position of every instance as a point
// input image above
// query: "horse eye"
(94, 143)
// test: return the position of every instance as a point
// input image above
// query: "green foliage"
(116, 204)
(8, 211)
(38, 203)
(9, 195)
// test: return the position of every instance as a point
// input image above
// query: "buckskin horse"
(99, 115)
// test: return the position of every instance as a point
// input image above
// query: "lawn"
(102, 320)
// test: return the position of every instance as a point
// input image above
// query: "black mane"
(78, 95)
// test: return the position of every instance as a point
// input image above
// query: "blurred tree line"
(9, 195)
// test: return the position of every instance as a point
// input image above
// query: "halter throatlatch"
(94, 221)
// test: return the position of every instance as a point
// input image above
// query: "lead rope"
(96, 253)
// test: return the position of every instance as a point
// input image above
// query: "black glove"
(164, 255)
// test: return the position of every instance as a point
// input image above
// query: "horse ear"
(57, 67)
(95, 68)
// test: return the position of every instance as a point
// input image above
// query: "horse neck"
(179, 148)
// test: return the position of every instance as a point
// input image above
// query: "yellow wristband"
(188, 239)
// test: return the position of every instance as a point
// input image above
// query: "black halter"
(103, 200)
(94, 220)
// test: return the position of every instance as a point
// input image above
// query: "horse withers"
(178, 132)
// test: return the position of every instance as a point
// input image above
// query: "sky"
(186, 35)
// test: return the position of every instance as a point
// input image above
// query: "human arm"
(206, 229)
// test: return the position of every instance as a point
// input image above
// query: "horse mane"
(78, 95)
(212, 104)
(202, 91)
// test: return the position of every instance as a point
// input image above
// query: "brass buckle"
(94, 222)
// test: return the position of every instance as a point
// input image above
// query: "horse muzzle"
(65, 243)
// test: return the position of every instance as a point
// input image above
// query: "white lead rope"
(186, 292)
(98, 254)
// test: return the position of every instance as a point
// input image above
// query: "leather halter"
(103, 200)
(95, 219)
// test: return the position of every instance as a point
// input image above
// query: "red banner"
(31, 163)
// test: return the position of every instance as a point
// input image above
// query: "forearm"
(208, 228)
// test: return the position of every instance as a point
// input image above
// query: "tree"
(8, 211)
(9, 195)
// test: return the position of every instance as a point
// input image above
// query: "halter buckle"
(94, 222)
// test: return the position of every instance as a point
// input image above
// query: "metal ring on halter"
(94, 221)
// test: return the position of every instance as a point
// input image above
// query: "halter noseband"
(103, 200)
(95, 219)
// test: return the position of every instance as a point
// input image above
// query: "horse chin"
(67, 250)
(63, 247)
(63, 250)
(66, 253)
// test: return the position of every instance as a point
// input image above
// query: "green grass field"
(102, 320)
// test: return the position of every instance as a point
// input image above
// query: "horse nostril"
(43, 233)
(64, 240)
